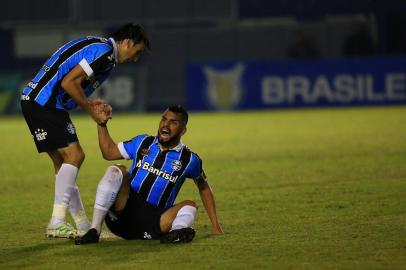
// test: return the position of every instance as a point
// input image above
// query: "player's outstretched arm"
(207, 196)
(72, 83)
(107, 146)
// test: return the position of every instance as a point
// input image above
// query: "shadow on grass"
(65, 250)
(59, 251)
(62, 249)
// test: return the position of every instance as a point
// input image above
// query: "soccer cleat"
(64, 230)
(91, 237)
(81, 233)
(83, 228)
(183, 235)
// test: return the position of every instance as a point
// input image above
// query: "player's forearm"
(209, 204)
(72, 84)
(75, 91)
(106, 143)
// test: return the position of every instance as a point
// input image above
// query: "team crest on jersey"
(71, 128)
(176, 165)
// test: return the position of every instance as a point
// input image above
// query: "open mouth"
(164, 133)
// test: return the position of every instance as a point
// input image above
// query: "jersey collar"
(115, 51)
(177, 148)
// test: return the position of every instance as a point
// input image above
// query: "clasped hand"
(100, 110)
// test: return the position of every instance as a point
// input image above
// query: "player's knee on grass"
(185, 216)
(169, 216)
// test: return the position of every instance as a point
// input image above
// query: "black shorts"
(138, 220)
(50, 128)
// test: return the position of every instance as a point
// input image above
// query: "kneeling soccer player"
(139, 203)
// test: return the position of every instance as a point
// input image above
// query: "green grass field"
(295, 189)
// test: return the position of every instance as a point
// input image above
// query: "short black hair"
(181, 110)
(132, 31)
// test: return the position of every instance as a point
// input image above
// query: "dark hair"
(132, 31)
(179, 109)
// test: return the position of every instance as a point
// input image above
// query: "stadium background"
(189, 36)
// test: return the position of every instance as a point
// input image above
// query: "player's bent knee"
(122, 168)
(81, 157)
(113, 170)
(190, 203)
(124, 190)
(119, 169)
(73, 156)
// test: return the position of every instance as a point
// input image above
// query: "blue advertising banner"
(296, 83)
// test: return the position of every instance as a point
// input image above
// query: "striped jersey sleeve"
(196, 168)
(96, 57)
(129, 149)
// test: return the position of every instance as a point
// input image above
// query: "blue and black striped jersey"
(158, 175)
(97, 56)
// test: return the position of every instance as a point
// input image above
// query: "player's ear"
(183, 131)
(130, 43)
(126, 42)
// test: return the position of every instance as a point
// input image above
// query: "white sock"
(184, 218)
(64, 183)
(77, 210)
(106, 195)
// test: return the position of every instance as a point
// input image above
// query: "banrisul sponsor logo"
(165, 175)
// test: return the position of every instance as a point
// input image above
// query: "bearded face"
(171, 129)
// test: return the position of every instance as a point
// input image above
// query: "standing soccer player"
(65, 81)
(141, 200)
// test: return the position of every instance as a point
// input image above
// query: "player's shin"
(65, 181)
(106, 195)
(77, 211)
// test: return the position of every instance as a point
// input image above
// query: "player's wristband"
(102, 124)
